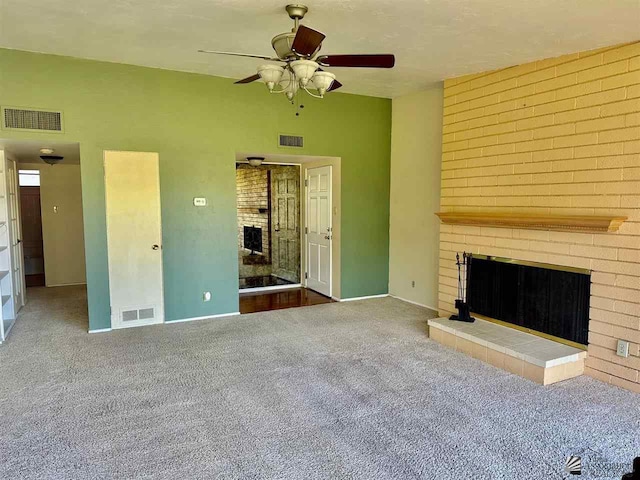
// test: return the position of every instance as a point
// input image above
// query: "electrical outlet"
(413, 284)
(623, 349)
(206, 296)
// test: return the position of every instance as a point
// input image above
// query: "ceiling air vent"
(38, 120)
(291, 141)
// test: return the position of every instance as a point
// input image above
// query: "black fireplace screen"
(253, 239)
(550, 301)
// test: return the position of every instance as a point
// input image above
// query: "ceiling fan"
(298, 51)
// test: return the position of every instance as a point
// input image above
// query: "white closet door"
(319, 229)
(134, 237)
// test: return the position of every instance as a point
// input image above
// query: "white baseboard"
(268, 289)
(207, 317)
(168, 322)
(414, 303)
(64, 284)
(100, 330)
(368, 297)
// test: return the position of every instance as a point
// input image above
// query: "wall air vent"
(291, 141)
(34, 120)
(142, 314)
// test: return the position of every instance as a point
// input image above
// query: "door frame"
(23, 294)
(301, 220)
(135, 323)
(306, 224)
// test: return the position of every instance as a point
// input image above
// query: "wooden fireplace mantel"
(571, 223)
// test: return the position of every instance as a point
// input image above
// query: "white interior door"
(134, 235)
(319, 229)
(15, 234)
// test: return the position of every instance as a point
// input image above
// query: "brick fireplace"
(555, 137)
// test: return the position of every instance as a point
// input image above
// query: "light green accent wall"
(197, 123)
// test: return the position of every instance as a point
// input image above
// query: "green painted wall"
(197, 123)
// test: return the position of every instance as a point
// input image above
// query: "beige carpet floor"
(346, 391)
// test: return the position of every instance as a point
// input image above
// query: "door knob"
(327, 237)
(155, 247)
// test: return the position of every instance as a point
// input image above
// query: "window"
(29, 178)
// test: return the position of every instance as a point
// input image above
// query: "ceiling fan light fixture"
(298, 52)
(270, 75)
(322, 81)
(304, 70)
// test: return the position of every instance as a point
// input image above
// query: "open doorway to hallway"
(288, 230)
(268, 198)
(42, 222)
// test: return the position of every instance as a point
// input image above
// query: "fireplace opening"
(253, 239)
(540, 298)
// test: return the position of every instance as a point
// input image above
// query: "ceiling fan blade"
(334, 86)
(250, 79)
(241, 55)
(306, 41)
(363, 61)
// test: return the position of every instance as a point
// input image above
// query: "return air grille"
(32, 119)
(291, 141)
(142, 314)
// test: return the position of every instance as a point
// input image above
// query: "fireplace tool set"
(464, 273)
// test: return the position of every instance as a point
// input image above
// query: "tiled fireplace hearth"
(531, 318)
(538, 359)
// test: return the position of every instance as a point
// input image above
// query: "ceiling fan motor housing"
(282, 45)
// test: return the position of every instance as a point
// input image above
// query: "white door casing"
(134, 238)
(15, 235)
(318, 229)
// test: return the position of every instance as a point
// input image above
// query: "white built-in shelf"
(3, 273)
(5, 299)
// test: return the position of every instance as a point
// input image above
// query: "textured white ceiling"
(432, 39)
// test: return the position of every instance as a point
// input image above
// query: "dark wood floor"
(265, 301)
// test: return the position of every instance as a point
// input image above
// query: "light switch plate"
(623, 349)
(200, 202)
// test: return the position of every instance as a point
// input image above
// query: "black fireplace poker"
(464, 273)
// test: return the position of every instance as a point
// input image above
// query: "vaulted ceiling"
(432, 39)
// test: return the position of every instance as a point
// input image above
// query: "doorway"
(268, 197)
(42, 197)
(32, 240)
(316, 243)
